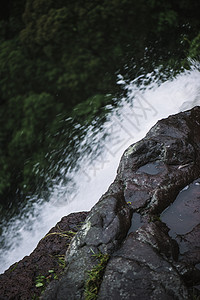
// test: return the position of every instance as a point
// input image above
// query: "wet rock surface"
(148, 260)
(183, 219)
(142, 268)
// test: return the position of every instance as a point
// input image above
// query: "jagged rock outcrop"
(148, 260)
(146, 263)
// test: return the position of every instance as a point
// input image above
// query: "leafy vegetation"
(59, 62)
(95, 276)
(42, 281)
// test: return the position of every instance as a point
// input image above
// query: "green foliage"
(86, 111)
(60, 60)
(12, 65)
(167, 17)
(31, 120)
(194, 51)
(95, 276)
(61, 261)
(42, 281)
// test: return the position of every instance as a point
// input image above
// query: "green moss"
(95, 276)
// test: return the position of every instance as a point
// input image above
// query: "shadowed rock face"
(148, 260)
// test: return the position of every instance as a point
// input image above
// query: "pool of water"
(184, 213)
(135, 222)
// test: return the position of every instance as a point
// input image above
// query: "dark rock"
(142, 268)
(18, 282)
(104, 230)
(173, 144)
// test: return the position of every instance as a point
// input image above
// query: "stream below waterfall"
(81, 188)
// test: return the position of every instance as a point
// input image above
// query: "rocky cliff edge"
(140, 241)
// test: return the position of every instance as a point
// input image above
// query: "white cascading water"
(126, 125)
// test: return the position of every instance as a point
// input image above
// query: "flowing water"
(79, 190)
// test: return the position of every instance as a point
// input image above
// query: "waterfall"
(125, 125)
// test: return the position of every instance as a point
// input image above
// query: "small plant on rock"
(95, 277)
(61, 261)
(41, 281)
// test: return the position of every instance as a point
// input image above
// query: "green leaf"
(39, 284)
